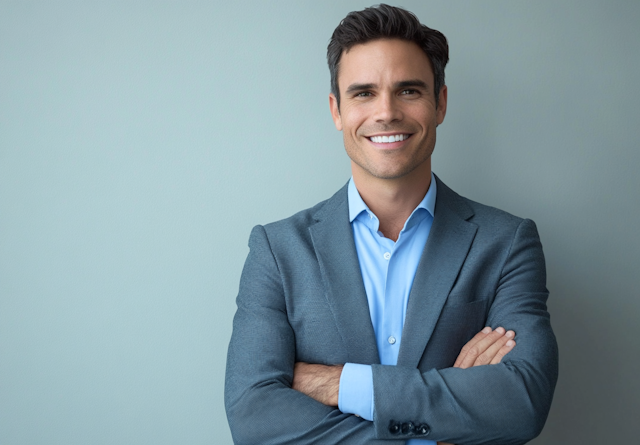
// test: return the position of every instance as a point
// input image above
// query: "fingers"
(503, 351)
(487, 347)
(470, 344)
(497, 349)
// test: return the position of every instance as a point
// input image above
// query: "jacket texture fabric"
(302, 298)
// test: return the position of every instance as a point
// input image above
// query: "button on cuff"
(407, 428)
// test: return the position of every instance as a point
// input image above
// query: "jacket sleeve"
(260, 404)
(506, 403)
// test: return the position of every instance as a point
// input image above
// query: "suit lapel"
(446, 249)
(335, 249)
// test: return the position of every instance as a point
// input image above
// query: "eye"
(409, 91)
(363, 94)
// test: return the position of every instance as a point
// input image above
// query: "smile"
(389, 139)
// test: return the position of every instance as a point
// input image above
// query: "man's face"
(386, 94)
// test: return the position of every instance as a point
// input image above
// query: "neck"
(392, 200)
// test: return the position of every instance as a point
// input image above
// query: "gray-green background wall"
(141, 141)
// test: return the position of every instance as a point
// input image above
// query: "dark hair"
(385, 22)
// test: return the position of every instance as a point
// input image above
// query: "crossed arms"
(504, 403)
(322, 382)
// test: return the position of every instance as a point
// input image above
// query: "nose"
(387, 109)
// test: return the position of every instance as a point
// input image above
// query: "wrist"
(335, 384)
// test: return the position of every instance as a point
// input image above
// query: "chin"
(390, 174)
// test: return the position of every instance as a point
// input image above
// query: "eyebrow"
(360, 86)
(402, 84)
(412, 83)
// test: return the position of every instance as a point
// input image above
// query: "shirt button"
(392, 340)
(387, 255)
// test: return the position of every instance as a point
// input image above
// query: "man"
(356, 318)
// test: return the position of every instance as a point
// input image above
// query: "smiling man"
(387, 314)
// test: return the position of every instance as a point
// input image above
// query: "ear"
(442, 105)
(335, 111)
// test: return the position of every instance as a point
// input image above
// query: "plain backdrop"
(141, 141)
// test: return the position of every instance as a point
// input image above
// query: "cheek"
(424, 112)
(353, 119)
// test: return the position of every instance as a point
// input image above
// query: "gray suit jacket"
(302, 298)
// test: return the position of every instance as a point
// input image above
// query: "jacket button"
(394, 427)
(422, 429)
(407, 428)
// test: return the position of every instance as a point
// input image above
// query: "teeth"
(387, 139)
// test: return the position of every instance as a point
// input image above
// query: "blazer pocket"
(455, 314)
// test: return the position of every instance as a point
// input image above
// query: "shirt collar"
(357, 205)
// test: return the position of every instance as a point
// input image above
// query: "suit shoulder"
(496, 224)
(298, 223)
(299, 220)
(488, 213)
(490, 220)
(474, 211)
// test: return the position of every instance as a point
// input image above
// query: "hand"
(319, 382)
(322, 382)
(486, 348)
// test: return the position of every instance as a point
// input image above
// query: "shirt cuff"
(355, 395)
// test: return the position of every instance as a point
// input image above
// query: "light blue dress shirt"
(388, 269)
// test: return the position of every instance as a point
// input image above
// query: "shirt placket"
(390, 334)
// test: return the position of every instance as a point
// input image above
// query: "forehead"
(384, 60)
